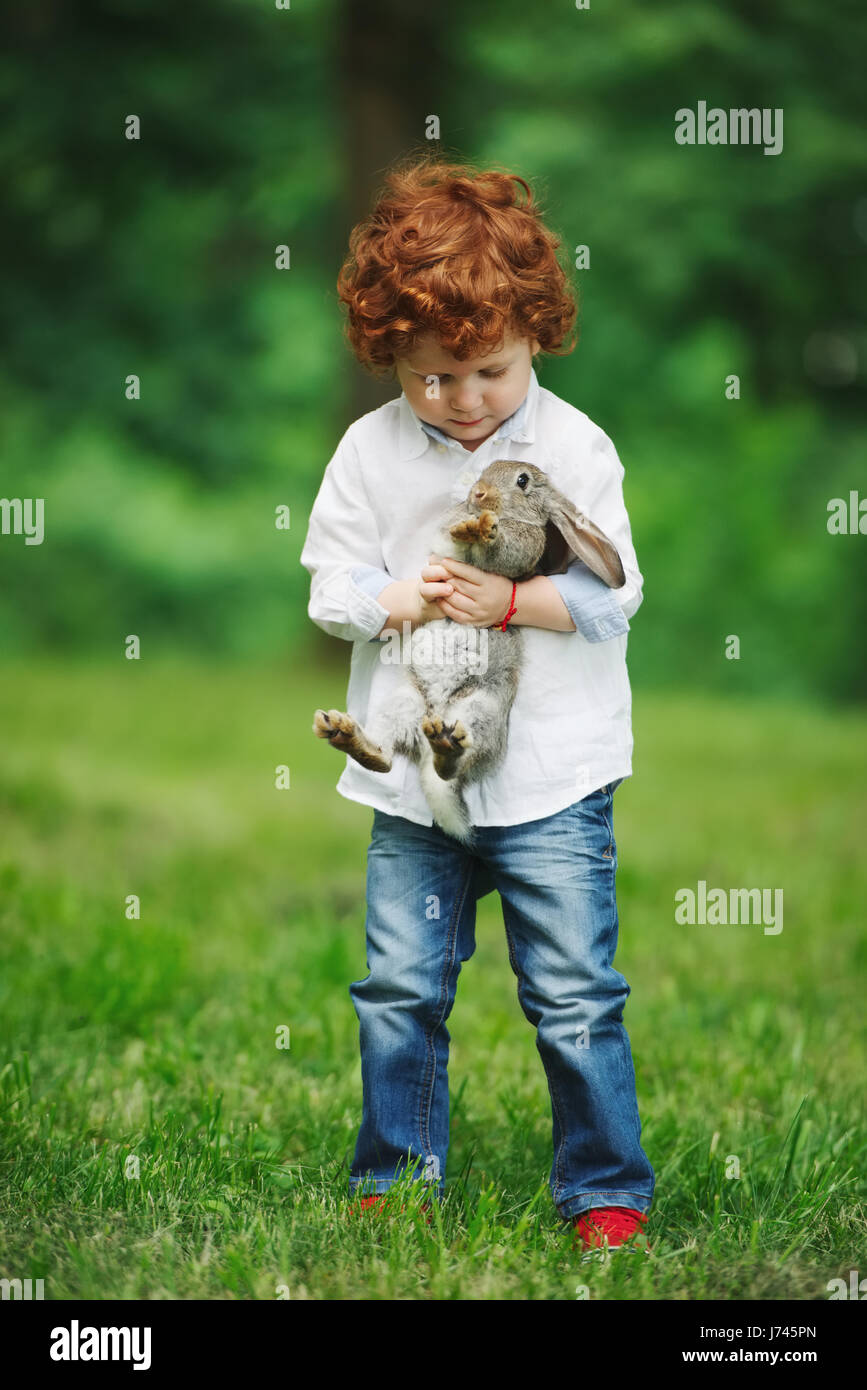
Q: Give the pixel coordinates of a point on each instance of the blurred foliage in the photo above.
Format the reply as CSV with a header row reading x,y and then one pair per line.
x,y
156,257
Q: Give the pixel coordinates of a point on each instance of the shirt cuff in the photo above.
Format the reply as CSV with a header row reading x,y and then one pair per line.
x,y
365,583
590,603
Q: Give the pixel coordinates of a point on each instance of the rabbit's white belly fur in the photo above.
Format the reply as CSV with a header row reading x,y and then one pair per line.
x,y
468,678
449,657
455,671
444,656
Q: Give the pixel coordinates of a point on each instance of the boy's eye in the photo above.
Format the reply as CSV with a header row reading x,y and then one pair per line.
x,y
444,376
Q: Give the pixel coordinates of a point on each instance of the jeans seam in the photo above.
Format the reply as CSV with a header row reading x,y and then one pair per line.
x,y
612,855
558,1157
607,820
513,958
429,1076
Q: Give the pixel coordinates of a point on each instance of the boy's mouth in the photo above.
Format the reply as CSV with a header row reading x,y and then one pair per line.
x,y
467,422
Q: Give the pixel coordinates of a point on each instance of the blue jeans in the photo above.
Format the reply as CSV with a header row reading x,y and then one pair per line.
x,y
555,877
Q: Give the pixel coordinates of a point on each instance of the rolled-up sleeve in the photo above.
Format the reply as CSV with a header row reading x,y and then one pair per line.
x,y
598,612
590,603
342,552
371,579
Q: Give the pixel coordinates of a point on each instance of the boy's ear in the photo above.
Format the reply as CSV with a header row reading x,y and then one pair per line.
x,y
569,535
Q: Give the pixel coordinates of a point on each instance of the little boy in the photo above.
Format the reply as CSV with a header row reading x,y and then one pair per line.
x,y
453,283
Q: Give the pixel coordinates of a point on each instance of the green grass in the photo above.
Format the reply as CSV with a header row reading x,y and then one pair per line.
x,y
153,1040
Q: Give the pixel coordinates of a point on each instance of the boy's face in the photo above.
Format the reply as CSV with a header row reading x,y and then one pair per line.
x,y
476,396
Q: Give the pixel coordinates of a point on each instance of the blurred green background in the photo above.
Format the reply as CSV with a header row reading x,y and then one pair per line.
x,y
263,127
153,1038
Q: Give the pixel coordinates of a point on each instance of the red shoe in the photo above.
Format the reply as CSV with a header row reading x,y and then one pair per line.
x,y
367,1202
376,1197
610,1227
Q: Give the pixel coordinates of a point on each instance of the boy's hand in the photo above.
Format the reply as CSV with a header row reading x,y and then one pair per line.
x,y
435,584
478,598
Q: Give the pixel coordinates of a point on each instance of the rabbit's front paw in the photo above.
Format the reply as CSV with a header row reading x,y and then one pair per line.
x,y
483,527
448,742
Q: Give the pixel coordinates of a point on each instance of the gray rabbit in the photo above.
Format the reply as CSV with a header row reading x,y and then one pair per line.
x,y
451,716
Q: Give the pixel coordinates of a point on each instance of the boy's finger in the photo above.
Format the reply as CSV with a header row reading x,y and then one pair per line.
x,y
458,615
460,603
467,587
468,572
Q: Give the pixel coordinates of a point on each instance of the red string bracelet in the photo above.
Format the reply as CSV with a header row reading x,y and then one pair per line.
x,y
512,609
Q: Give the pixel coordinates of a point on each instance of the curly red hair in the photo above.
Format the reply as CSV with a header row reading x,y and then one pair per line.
x,y
458,253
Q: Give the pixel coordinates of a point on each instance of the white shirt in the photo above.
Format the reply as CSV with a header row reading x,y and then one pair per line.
x,y
383,494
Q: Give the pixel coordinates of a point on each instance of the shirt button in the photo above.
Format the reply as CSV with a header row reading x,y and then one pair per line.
x,y
441,448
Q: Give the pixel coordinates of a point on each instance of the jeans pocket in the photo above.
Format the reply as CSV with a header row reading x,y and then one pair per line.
x,y
593,814
597,797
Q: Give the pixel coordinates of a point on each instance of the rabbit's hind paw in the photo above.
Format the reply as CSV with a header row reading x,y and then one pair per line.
x,y
483,527
448,743
338,728
342,732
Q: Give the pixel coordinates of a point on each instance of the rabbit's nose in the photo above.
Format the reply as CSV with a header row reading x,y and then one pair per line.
x,y
479,494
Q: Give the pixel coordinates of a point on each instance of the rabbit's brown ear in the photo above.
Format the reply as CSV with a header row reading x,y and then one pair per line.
x,y
556,557
569,530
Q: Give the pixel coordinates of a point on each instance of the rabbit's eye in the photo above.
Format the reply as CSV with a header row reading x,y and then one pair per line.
x,y
522,480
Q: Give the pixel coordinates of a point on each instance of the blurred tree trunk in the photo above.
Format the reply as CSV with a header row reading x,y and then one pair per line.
x,y
390,78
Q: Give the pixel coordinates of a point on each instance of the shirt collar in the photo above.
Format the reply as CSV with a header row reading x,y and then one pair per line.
x,y
520,426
